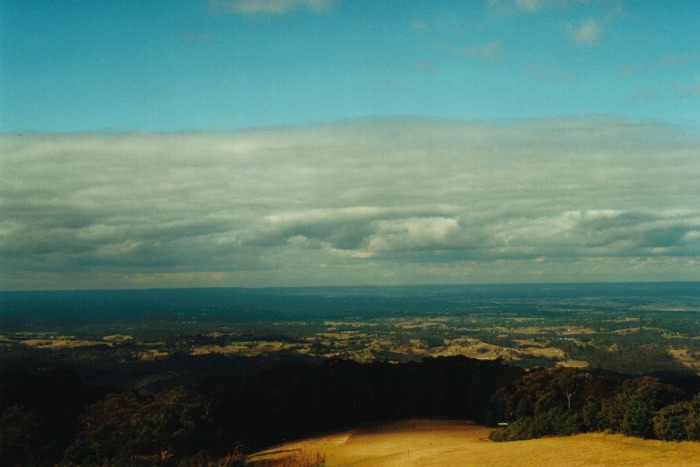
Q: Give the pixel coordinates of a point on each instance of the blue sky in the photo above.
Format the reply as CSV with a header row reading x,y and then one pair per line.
x,y
318,142
183,65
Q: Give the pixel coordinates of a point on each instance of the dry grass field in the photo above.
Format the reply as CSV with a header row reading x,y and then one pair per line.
x,y
455,443
61,343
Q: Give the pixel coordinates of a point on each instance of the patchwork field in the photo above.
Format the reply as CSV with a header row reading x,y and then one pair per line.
x,y
525,341
450,442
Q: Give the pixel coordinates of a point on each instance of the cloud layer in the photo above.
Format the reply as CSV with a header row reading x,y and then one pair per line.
x,y
395,201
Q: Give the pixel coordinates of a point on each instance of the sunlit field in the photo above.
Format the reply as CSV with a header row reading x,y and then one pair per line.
x,y
448,442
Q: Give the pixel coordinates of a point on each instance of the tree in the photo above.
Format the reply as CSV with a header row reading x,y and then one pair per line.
x,y
669,423
631,410
679,421
638,419
105,430
692,423
19,436
569,383
126,428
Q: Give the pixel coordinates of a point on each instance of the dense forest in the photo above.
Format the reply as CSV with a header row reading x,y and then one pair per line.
x,y
54,417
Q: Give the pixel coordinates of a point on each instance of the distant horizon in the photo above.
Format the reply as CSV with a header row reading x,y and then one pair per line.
x,y
373,286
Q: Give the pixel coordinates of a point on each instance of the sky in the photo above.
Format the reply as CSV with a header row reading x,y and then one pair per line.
x,y
347,142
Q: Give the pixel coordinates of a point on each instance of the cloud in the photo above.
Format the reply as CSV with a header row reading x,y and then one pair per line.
x,y
419,25
644,94
414,233
490,52
426,68
274,7
670,61
547,74
678,59
587,32
355,203
391,84
688,90
530,6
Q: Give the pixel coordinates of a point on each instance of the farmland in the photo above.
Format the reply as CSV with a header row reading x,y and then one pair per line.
x,y
635,329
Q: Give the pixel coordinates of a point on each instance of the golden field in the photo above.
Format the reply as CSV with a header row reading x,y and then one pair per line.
x,y
454,443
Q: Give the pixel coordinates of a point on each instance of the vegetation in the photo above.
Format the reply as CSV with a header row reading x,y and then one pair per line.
x,y
565,401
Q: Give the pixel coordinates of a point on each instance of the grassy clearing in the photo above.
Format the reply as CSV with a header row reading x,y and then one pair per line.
x,y
56,344
449,442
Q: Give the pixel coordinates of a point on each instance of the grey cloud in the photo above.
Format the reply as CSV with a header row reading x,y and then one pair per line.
x,y
361,202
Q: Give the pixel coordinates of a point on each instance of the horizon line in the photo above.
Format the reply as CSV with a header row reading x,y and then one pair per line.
x,y
359,286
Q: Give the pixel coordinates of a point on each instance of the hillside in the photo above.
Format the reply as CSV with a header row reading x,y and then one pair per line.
x,y
450,442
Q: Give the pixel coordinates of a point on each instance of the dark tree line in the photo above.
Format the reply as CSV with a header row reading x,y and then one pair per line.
x,y
564,401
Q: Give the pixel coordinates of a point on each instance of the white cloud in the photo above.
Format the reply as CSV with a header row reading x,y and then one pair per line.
x,y
275,7
587,32
410,200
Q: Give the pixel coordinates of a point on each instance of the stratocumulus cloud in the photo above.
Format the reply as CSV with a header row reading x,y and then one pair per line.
x,y
394,201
